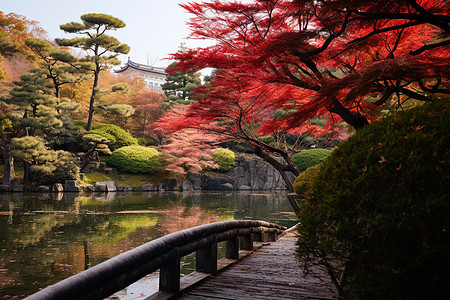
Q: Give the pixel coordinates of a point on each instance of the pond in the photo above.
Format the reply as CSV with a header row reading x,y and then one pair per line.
x,y
45,238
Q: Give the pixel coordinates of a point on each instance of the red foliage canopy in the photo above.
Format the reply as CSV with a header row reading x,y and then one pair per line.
x,y
282,63
310,58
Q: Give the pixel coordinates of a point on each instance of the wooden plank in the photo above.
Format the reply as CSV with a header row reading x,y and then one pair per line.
x,y
271,272
224,263
191,279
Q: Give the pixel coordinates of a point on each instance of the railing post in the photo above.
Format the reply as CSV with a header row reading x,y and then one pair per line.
x,y
246,241
258,235
206,259
169,274
273,236
232,248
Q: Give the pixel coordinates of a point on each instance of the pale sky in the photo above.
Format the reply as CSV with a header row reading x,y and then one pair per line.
x,y
154,28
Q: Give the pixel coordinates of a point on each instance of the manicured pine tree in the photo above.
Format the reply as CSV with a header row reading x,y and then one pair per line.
x,y
37,113
58,65
102,49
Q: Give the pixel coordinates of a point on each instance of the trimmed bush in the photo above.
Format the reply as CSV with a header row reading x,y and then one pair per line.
x,y
135,159
66,168
119,138
304,181
381,205
309,158
225,158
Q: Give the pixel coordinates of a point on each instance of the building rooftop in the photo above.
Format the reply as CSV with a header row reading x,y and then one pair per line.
x,y
142,67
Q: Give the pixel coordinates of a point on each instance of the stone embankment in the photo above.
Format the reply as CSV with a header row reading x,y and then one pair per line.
x,y
247,175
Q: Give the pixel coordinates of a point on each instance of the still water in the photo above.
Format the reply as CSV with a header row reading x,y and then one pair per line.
x,y
45,238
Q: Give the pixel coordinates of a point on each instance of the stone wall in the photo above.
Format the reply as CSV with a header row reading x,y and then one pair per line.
x,y
247,175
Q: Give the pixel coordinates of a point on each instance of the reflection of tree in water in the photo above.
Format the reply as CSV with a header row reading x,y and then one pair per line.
x,y
181,217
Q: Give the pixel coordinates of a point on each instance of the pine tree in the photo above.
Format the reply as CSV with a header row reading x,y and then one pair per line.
x,y
102,50
179,86
58,65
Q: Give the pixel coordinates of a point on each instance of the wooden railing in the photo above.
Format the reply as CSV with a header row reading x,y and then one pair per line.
x,y
163,253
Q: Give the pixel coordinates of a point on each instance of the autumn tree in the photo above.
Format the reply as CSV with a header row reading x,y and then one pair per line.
x,y
148,109
189,150
14,30
101,49
339,60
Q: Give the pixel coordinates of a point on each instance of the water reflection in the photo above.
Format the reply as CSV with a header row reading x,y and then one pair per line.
x,y
47,237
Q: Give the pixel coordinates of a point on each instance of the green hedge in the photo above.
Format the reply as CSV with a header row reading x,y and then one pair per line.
x,y
309,158
119,137
225,158
381,205
135,159
304,181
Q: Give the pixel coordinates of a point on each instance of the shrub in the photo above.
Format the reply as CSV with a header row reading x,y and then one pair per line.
x,y
135,159
304,181
380,205
225,158
119,138
309,158
66,168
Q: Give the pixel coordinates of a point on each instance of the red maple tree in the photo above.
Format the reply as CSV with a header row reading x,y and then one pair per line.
x,y
282,63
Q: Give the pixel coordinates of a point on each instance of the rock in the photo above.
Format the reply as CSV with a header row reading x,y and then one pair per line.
x,y
16,185
227,186
105,186
195,180
43,189
84,188
121,188
187,186
221,182
71,186
257,175
150,188
244,187
91,188
57,188
171,185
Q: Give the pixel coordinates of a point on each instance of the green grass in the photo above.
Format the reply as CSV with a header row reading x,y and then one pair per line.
x,y
130,180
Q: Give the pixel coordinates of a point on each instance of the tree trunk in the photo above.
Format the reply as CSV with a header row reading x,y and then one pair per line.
x,y
27,176
9,164
284,175
85,159
92,101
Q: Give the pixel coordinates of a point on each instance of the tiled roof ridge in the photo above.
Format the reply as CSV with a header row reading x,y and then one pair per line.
x,y
142,67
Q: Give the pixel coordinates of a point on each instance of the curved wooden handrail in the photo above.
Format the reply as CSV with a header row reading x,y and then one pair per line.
x,y
120,271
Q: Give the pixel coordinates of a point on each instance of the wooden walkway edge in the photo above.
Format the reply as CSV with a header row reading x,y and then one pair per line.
x,y
271,272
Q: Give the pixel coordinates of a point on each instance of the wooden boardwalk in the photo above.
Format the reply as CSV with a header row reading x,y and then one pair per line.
x,y
271,272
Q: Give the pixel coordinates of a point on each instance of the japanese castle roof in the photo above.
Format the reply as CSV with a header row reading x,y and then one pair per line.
x,y
141,67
